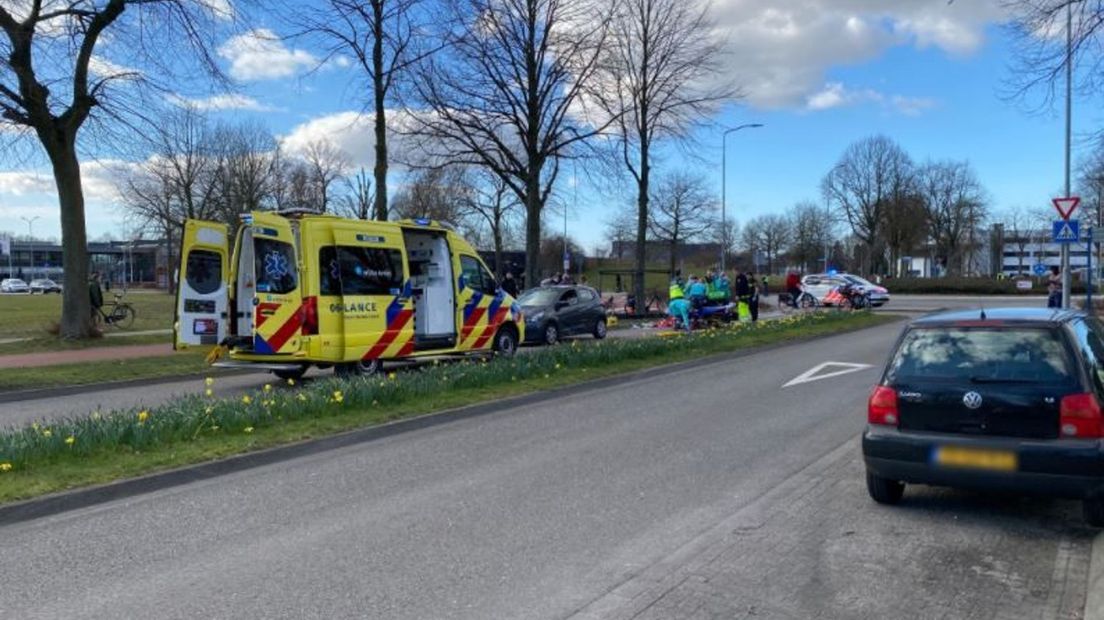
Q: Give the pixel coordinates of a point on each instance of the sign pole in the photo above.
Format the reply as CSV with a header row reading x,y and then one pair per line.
x,y
1069,113
1088,272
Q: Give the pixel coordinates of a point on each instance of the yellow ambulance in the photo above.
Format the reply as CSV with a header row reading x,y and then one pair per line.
x,y
302,290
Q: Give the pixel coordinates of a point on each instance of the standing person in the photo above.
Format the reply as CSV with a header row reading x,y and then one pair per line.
x,y
1054,288
95,294
509,284
793,287
742,292
753,297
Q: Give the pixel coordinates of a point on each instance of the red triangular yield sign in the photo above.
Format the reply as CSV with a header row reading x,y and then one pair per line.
x,y
1065,206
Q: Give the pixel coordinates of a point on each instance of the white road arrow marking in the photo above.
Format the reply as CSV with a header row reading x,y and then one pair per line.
x,y
816,373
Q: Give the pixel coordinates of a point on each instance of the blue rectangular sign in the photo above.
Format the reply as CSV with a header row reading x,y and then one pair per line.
x,y
1066,231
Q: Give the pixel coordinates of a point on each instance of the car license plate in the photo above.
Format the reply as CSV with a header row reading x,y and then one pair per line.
x,y
975,458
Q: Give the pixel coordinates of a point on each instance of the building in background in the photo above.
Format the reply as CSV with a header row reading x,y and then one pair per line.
x,y
142,262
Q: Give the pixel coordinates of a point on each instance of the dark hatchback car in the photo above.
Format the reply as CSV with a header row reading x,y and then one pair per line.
x,y
552,312
1005,400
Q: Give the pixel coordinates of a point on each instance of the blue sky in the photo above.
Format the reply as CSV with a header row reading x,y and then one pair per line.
x,y
819,74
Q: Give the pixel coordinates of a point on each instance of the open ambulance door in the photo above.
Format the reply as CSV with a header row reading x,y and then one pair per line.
x,y
202,295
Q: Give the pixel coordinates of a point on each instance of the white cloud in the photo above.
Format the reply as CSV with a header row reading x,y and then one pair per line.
x,y
261,55
836,95
231,101
353,133
104,68
781,50
98,179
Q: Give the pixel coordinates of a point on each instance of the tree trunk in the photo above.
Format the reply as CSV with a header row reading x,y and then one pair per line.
x,y
76,309
497,234
532,230
641,228
673,259
380,121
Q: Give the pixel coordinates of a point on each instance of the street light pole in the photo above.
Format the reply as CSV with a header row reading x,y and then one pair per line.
x,y
724,183
30,237
1066,280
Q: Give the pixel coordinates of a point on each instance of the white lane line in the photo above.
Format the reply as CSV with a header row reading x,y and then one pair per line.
x,y
818,372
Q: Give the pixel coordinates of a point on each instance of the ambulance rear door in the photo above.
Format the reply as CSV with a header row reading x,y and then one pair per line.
x,y
202,295
277,296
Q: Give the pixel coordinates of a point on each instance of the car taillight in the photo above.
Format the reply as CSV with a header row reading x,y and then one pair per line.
x,y
310,316
882,406
1080,417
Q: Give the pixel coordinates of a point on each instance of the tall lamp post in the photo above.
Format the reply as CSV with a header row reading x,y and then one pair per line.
x,y
30,237
724,183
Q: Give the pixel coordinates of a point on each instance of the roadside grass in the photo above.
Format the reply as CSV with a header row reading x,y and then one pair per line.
x,y
30,316
107,446
174,365
46,344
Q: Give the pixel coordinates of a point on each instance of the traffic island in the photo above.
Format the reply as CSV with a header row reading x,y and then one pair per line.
x,y
107,446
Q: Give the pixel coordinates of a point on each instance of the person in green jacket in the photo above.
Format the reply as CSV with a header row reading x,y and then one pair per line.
x,y
675,291
95,294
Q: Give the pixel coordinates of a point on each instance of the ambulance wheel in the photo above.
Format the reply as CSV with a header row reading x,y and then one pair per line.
x,y
600,329
506,342
551,333
293,374
363,368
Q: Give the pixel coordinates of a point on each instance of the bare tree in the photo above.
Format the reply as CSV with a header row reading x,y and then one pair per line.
x,y
955,205
871,174
812,234
769,234
493,206
905,228
682,209
327,164
440,194
358,200
52,82
620,229
658,82
247,155
504,97
386,38
1040,54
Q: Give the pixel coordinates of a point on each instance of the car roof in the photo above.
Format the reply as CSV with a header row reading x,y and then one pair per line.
x,y
1025,315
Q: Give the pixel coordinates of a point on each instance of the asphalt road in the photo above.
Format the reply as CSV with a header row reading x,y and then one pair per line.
x,y
711,492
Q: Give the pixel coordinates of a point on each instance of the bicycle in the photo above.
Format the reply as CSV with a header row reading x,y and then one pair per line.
x,y
805,301
118,314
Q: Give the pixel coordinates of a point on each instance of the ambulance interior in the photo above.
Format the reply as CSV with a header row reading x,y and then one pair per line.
x,y
431,278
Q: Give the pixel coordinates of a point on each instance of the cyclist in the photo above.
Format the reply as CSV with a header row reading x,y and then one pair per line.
x,y
793,287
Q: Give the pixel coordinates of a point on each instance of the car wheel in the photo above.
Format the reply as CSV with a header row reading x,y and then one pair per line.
x,y
506,342
600,328
363,368
292,374
1093,511
884,490
551,334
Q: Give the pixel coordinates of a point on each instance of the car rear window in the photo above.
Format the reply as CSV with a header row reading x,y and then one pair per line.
x,y
1020,355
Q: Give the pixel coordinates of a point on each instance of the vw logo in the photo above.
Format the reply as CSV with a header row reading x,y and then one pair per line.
x,y
972,400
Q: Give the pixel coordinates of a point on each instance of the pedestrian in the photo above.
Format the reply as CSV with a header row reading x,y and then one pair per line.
x,y
95,293
583,280
766,286
753,297
509,284
679,309
1054,288
697,292
742,294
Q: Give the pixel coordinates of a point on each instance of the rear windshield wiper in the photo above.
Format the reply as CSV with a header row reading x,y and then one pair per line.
x,y
998,380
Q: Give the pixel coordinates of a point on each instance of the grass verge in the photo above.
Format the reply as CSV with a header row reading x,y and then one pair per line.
x,y
174,365
44,344
31,315
108,446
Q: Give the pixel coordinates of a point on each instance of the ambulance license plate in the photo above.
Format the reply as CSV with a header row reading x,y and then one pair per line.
x,y
975,458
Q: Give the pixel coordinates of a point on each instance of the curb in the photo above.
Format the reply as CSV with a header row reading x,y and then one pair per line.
x,y
84,388
1094,594
66,501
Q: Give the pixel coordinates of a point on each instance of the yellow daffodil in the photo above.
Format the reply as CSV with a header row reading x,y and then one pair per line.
x,y
5,467
338,397
557,366
390,376
302,397
95,415
209,381
47,433
209,410
143,416
246,399
248,429
70,440
375,403
267,403
290,381
267,387
209,392
214,429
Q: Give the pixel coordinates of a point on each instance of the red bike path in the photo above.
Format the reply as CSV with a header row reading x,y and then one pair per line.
x,y
76,356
